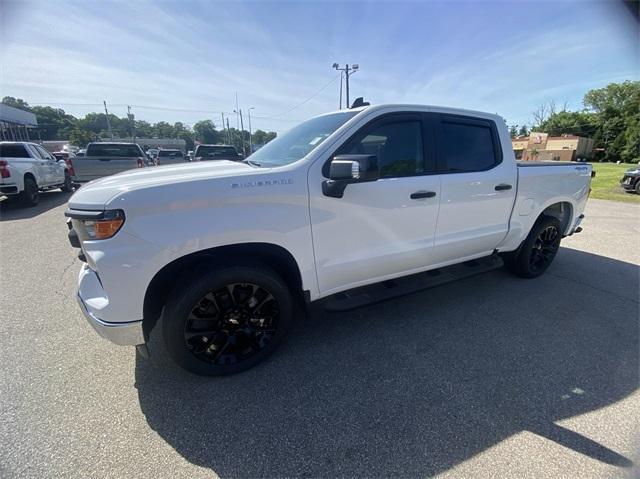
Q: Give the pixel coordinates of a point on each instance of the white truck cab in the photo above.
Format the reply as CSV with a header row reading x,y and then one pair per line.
x,y
203,263
27,168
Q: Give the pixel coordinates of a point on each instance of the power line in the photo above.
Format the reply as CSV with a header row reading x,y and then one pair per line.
x,y
305,101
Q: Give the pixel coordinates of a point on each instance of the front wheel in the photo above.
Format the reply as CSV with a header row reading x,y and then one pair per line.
x,y
226,320
539,249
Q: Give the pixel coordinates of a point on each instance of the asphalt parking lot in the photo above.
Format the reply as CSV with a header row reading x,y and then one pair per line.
x,y
492,376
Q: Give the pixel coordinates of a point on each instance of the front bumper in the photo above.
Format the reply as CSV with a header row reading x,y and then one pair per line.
x,y
92,298
628,182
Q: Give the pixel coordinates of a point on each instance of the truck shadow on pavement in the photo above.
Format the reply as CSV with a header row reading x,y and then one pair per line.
x,y
12,209
419,384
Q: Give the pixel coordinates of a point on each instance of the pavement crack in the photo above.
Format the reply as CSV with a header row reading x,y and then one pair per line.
x,y
602,290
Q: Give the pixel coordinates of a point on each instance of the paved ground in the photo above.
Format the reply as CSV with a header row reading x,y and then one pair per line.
x,y
492,376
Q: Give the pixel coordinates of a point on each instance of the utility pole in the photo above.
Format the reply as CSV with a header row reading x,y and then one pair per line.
x,y
228,132
250,133
133,124
347,71
340,103
244,150
106,112
222,114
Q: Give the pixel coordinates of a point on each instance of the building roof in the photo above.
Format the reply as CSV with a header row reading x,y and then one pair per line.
x,y
19,117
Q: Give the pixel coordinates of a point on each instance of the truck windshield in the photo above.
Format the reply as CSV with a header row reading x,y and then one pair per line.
x,y
300,140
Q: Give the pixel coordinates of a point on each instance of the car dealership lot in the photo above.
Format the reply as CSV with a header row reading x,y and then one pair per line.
x,y
492,376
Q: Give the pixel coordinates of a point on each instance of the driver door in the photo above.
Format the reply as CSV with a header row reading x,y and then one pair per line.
x,y
384,228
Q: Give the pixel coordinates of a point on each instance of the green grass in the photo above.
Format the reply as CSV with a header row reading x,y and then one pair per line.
x,y
606,184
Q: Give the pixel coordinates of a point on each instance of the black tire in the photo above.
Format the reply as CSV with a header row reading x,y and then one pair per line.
x,y
537,251
209,325
637,188
30,196
67,186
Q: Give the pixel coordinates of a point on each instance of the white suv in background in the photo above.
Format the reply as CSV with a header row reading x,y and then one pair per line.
x,y
27,168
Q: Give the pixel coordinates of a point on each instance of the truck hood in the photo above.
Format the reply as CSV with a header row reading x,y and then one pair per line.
x,y
97,193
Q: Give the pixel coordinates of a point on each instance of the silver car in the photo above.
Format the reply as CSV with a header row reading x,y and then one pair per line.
x,y
170,157
104,159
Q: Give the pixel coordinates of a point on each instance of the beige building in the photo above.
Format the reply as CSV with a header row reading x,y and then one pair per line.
x,y
542,147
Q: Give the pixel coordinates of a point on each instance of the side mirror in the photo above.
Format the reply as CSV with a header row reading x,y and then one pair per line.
x,y
346,169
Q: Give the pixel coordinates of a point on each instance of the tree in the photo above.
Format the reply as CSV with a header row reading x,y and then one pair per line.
x,y
570,123
617,108
513,131
80,138
523,131
205,132
18,103
262,137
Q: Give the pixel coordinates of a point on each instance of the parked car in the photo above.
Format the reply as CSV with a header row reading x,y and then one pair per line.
x,y
63,155
631,180
170,157
205,264
190,155
152,153
27,168
81,152
105,159
217,152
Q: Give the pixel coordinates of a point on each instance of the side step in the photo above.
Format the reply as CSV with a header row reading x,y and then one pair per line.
x,y
378,292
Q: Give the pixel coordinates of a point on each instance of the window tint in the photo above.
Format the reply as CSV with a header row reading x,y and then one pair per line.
x,y
397,146
216,151
12,150
107,149
467,147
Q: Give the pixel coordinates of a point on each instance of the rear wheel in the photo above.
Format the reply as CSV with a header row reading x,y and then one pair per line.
x,y
539,249
637,187
30,196
225,321
67,186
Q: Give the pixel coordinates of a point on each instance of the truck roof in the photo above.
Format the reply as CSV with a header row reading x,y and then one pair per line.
x,y
418,107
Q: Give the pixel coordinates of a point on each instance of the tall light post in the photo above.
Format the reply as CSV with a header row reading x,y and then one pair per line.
x,y
250,133
347,71
244,150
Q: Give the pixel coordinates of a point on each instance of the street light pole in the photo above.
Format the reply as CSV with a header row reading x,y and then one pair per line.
x,y
348,70
250,133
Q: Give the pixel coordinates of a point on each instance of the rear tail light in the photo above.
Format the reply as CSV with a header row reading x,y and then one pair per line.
x,y
140,162
70,167
4,169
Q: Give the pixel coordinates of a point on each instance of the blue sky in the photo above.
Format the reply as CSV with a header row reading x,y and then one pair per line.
x,y
184,61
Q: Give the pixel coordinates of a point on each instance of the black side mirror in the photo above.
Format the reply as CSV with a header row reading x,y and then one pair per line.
x,y
346,169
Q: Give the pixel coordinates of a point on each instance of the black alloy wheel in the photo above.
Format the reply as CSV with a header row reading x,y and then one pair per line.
x,y
544,248
231,324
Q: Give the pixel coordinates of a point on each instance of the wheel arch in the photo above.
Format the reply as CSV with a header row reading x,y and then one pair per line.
x,y
563,211
271,255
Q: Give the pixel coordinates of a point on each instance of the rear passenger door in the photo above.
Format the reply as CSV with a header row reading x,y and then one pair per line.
x,y
478,188
40,165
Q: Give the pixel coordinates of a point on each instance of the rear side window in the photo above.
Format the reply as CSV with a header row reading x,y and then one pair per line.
x,y
9,150
214,151
468,146
107,149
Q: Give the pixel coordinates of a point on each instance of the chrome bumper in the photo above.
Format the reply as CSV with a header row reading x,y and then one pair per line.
x,y
123,334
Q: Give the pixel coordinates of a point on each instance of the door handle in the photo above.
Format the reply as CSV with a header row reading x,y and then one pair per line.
x,y
503,187
422,194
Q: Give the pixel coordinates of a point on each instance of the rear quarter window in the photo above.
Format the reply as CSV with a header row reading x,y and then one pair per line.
x,y
13,151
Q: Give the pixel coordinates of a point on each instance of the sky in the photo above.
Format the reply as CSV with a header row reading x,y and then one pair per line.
x,y
185,61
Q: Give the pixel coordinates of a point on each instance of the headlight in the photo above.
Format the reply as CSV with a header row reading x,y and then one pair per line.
x,y
104,227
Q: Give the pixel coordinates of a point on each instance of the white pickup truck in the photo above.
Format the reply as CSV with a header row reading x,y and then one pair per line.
x,y
27,168
205,263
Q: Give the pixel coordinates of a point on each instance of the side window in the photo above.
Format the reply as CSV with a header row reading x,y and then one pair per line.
x,y
397,145
35,153
44,153
468,146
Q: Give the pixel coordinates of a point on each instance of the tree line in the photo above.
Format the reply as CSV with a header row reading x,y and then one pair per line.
x,y
611,117
56,124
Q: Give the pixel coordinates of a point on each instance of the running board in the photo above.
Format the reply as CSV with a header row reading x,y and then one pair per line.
x,y
375,293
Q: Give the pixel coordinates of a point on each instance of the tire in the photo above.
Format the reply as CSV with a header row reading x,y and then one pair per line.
x,y
212,325
537,251
637,188
67,186
30,196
